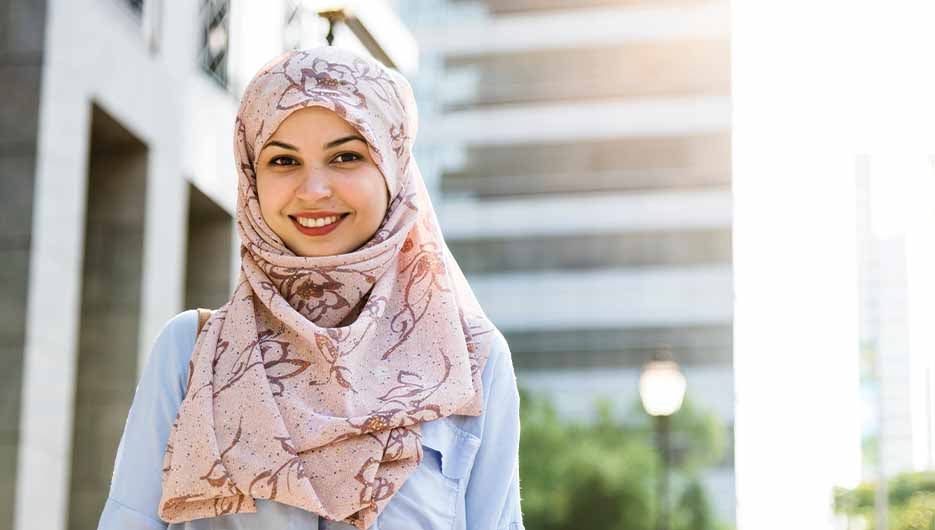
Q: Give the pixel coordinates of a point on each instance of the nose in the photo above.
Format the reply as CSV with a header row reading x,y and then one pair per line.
x,y
315,185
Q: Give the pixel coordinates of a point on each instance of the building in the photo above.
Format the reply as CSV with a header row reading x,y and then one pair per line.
x,y
580,156
896,292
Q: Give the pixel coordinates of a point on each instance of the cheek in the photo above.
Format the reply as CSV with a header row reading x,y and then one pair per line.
x,y
380,197
272,196
372,195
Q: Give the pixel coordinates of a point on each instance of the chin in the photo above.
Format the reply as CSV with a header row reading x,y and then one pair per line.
x,y
319,252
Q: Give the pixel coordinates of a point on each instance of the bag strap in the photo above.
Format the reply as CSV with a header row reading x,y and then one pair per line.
x,y
203,315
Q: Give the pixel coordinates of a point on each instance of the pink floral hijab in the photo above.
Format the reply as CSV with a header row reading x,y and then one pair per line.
x,y
290,396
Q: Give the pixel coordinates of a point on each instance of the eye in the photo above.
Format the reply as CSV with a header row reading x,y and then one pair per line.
x,y
273,161
347,157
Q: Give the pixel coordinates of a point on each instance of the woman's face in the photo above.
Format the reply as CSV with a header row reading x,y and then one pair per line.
x,y
316,169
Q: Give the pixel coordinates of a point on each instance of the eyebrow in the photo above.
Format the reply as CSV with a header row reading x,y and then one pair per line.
x,y
329,145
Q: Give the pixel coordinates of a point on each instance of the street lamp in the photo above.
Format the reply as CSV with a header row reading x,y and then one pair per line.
x,y
333,16
374,25
662,389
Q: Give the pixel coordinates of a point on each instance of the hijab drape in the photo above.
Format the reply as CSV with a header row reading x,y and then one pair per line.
x,y
308,387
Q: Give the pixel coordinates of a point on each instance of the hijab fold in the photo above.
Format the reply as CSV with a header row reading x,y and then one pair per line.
x,y
309,385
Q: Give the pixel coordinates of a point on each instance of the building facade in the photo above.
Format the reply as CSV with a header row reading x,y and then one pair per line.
x,y
580,158
896,340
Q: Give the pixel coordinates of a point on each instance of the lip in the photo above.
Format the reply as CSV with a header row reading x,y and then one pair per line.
x,y
317,214
318,230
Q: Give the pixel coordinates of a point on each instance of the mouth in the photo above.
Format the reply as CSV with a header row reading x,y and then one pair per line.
x,y
318,227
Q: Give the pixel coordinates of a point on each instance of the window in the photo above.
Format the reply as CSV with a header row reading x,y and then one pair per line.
x,y
215,39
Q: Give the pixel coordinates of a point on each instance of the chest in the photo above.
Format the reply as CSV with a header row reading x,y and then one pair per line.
x,y
432,498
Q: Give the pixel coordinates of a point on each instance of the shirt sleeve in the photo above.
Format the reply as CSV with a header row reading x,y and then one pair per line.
x,y
136,484
492,497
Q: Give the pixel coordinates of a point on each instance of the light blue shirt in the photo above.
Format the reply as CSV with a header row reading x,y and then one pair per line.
x,y
468,479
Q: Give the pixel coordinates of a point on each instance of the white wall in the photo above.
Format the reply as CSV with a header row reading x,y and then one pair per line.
x,y
591,213
95,52
652,296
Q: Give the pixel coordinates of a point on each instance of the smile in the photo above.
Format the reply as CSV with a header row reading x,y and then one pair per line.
x,y
319,226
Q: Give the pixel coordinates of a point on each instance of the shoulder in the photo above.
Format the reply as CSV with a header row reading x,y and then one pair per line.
x,y
498,370
499,386
171,351
179,331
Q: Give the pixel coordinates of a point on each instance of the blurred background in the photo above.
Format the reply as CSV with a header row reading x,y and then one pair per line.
x,y
579,154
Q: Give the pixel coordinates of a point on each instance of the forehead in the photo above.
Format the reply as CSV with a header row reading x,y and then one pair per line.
x,y
312,122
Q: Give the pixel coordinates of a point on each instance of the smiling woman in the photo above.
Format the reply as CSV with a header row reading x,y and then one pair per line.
x,y
319,187
352,380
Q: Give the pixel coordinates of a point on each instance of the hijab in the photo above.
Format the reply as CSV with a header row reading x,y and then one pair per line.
x,y
309,385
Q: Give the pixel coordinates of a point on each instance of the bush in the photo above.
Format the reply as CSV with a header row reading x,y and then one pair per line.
x,y
911,501
603,474
918,513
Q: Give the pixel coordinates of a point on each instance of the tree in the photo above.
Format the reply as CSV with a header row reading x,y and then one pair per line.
x,y
911,501
694,509
602,474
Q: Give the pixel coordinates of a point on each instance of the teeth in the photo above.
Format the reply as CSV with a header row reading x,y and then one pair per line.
x,y
314,223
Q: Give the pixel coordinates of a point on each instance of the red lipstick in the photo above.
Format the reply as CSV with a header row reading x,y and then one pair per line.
x,y
317,230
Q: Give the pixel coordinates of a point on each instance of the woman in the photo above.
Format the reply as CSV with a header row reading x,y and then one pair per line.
x,y
352,379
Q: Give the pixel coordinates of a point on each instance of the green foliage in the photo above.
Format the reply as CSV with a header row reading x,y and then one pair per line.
x,y
698,439
917,514
857,501
608,486
911,501
905,486
603,474
542,442
695,511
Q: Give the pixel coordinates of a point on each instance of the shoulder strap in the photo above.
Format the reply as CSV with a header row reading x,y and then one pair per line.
x,y
203,315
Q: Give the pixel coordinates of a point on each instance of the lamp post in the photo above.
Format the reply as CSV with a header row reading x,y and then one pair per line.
x,y
662,389
333,16
375,26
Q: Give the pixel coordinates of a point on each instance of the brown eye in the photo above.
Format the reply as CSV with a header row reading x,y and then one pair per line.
x,y
351,157
273,162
